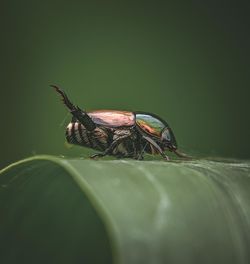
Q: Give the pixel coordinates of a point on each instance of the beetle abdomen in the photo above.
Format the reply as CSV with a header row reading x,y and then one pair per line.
x,y
77,134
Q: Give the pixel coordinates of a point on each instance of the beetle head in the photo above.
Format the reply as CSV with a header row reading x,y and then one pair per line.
x,y
168,139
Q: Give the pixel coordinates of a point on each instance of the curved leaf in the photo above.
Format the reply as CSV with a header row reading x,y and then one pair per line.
x,y
56,210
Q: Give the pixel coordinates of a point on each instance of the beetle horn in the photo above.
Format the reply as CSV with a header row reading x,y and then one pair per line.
x,y
180,154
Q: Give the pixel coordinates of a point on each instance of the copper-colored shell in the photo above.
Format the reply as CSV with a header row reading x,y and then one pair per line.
x,y
113,118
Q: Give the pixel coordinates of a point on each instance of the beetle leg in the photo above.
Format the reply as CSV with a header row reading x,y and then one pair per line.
x,y
112,146
139,157
77,112
140,153
152,142
97,155
182,155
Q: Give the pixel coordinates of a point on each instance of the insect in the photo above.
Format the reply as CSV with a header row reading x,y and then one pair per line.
x,y
119,133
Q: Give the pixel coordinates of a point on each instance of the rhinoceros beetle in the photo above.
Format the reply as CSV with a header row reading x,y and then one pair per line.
x,y
122,134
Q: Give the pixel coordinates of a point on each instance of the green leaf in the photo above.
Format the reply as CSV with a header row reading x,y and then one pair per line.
x,y
56,210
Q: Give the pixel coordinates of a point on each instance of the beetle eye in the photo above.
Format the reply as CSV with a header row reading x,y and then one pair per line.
x,y
166,135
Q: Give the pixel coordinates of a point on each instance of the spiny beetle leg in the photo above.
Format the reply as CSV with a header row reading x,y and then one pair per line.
x,y
139,155
77,112
100,155
110,149
154,144
83,118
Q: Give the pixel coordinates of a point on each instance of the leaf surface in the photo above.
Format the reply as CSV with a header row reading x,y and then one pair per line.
x,y
57,210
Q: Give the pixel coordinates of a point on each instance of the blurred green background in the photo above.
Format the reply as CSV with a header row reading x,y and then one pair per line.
x,y
188,63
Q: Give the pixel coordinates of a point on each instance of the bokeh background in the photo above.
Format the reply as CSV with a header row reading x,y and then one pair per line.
x,y
187,62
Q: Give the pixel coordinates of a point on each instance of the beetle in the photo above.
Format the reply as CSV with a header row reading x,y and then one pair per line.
x,y
122,134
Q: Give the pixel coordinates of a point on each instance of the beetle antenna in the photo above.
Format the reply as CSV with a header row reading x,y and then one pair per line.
x,y
65,98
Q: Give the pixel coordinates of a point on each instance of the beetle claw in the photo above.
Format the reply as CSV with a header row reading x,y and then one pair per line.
x,y
181,155
166,158
139,157
97,155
